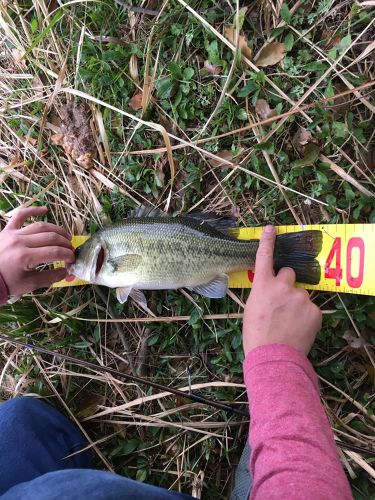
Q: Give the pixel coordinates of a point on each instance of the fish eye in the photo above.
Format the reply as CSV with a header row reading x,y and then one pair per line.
x,y
77,252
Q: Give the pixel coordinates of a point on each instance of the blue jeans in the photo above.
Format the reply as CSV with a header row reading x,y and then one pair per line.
x,y
35,441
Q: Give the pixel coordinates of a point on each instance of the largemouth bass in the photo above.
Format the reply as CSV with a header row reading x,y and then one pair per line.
x,y
153,251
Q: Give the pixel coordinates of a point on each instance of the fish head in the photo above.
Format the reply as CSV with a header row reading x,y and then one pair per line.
x,y
89,259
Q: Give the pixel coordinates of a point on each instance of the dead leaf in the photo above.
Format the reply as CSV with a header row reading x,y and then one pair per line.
x,y
225,154
366,162
18,58
52,5
160,169
75,136
330,40
242,42
211,68
263,109
353,340
57,139
38,87
310,155
136,101
342,104
270,55
301,138
371,373
88,404
133,68
235,211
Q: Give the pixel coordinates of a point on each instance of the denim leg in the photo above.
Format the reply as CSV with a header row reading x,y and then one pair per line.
x,y
84,484
242,479
35,439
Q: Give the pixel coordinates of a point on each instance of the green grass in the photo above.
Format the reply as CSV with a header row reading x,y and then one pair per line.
x,y
98,45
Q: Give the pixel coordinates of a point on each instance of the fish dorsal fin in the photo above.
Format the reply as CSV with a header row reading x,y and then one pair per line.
x,y
225,225
126,263
214,289
147,211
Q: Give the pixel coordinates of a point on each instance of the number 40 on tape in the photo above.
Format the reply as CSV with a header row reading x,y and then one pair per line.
x,y
347,258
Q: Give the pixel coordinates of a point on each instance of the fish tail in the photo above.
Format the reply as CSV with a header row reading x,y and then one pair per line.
x,y
299,251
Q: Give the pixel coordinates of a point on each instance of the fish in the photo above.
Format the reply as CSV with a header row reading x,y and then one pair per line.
x,y
151,250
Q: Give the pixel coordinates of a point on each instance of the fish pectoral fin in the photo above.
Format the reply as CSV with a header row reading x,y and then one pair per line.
x,y
214,289
126,263
122,293
139,297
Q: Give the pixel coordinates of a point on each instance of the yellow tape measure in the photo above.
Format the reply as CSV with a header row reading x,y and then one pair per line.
x,y
346,260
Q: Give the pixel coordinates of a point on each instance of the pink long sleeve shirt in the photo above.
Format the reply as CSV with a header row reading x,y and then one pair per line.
x,y
293,452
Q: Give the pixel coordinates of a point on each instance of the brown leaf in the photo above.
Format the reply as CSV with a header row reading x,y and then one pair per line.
x,y
133,68
366,162
76,137
52,5
263,109
136,101
341,104
371,373
225,154
270,55
242,42
88,404
57,139
330,40
38,87
211,68
18,58
301,138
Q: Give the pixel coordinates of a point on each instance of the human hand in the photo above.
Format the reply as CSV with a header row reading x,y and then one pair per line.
x,y
24,248
277,312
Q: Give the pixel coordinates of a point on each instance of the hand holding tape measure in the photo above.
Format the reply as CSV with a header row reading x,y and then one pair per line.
x,y
346,260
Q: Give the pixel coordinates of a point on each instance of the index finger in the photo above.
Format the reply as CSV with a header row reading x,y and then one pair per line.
x,y
19,218
264,258
45,227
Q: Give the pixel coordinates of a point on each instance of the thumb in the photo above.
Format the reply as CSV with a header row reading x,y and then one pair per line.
x,y
264,258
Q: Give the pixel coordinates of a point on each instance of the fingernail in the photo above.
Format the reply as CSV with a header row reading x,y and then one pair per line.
x,y
269,229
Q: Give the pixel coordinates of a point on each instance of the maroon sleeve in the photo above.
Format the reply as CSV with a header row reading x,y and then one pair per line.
x,y
4,294
293,452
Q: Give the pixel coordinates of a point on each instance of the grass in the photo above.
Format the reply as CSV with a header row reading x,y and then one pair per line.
x,y
179,149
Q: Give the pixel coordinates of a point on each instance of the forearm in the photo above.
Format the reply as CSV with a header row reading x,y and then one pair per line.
x,y
293,453
3,291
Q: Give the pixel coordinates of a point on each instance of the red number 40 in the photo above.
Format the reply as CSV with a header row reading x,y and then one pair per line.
x,y
335,254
